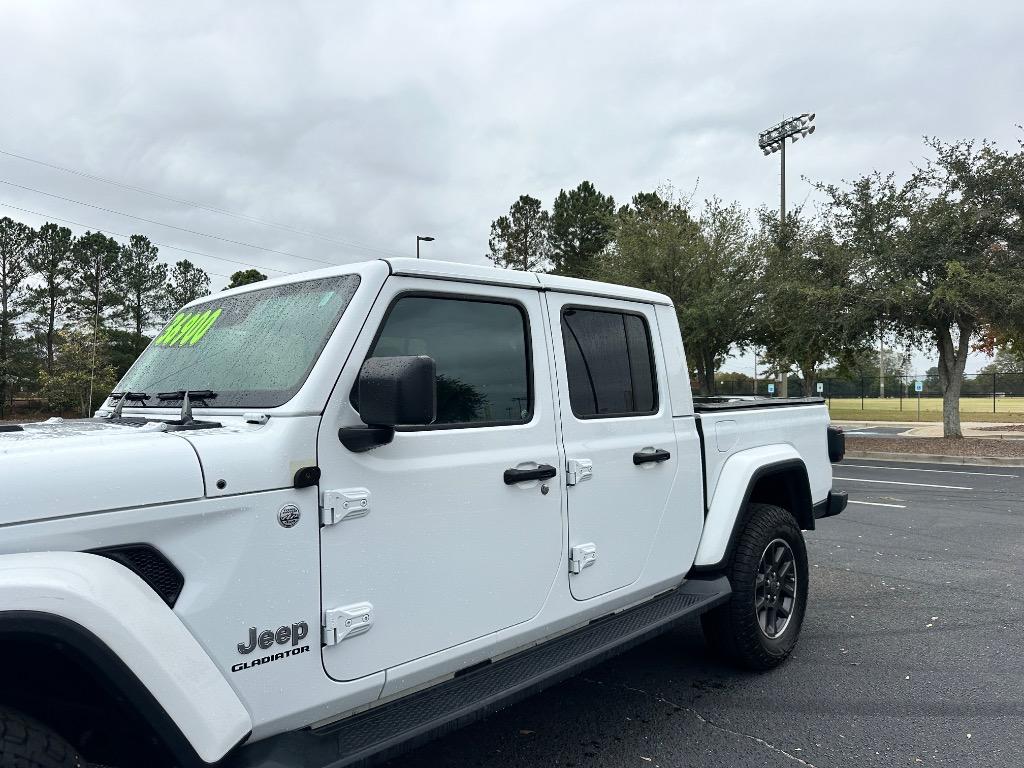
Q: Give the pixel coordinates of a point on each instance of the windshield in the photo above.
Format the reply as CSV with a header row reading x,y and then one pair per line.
x,y
251,350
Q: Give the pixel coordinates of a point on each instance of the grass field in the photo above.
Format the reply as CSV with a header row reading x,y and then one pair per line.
x,y
1008,409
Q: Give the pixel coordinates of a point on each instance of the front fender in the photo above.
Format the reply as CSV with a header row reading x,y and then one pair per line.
x,y
111,603
737,478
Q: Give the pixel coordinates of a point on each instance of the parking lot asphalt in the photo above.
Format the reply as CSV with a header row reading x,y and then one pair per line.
x,y
911,653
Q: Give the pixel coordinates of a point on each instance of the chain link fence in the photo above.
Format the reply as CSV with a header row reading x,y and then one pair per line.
x,y
980,392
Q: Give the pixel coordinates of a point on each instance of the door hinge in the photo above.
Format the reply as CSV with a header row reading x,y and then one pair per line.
x,y
345,504
345,622
578,470
582,556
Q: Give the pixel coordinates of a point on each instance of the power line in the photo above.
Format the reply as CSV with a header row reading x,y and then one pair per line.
x,y
164,224
161,245
201,206
123,235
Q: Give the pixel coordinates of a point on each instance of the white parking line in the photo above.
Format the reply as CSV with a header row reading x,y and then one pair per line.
x,y
944,471
897,482
878,504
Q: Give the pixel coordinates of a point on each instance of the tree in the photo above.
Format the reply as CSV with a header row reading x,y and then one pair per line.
x,y
139,283
582,225
521,240
186,283
702,264
1005,346
81,375
94,259
1007,360
863,363
944,251
50,260
15,241
244,277
121,349
811,305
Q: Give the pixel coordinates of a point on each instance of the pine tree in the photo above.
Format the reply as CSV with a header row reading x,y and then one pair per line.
x,y
521,240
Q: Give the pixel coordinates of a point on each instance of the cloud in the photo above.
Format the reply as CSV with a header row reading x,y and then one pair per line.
x,y
375,122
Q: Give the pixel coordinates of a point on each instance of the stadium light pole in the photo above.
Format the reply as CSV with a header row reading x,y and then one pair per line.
x,y
424,239
771,141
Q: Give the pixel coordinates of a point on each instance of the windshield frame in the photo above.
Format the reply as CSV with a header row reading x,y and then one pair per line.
x,y
240,399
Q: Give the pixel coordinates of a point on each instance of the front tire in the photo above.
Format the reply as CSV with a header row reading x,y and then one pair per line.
x,y
27,743
758,627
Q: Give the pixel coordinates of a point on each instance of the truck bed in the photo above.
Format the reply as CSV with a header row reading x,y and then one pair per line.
x,y
725,403
729,427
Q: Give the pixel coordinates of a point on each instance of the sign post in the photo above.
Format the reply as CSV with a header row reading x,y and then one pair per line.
x,y
771,390
918,387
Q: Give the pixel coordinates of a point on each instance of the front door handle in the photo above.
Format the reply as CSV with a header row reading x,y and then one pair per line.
x,y
541,472
643,458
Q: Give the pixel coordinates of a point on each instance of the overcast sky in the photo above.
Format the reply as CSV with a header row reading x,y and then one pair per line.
x,y
369,123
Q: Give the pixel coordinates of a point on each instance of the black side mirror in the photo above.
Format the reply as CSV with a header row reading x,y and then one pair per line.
x,y
393,391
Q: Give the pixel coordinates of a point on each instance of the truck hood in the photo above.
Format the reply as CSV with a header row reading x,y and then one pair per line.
x,y
61,468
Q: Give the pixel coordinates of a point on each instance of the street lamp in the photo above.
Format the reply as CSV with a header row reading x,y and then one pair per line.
x,y
771,141
425,239
774,140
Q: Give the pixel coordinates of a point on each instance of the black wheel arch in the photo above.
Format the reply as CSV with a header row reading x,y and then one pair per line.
x,y
784,484
54,659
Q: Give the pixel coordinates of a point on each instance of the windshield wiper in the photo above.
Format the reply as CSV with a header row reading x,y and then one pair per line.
x,y
185,420
193,394
126,397
131,397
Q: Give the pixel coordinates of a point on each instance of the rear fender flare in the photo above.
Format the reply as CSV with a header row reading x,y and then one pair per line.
x,y
736,483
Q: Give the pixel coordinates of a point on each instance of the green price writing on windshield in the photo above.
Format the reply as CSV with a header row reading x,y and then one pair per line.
x,y
187,329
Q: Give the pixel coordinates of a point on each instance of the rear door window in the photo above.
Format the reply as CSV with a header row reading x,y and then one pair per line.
x,y
609,363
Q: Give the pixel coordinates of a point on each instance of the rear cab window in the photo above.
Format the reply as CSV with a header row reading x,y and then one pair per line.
x,y
609,363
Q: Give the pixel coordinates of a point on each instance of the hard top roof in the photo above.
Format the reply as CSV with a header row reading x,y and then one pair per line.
x,y
450,270
471,273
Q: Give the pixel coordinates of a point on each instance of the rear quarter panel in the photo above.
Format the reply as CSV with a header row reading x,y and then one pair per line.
x,y
802,427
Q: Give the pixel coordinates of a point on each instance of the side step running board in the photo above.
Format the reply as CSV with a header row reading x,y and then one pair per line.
x,y
394,727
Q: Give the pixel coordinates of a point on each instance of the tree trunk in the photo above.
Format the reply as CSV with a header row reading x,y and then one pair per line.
x,y
138,324
3,361
706,372
51,322
810,378
952,362
709,372
3,353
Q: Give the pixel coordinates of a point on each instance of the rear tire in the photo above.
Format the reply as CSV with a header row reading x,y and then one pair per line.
x,y
759,625
27,743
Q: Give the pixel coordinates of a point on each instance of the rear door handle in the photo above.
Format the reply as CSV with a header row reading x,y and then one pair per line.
x,y
644,458
542,472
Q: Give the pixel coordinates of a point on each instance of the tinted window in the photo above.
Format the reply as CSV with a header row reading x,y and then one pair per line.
x,y
609,364
480,349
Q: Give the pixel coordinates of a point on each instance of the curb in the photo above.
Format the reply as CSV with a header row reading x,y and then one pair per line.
x,y
931,458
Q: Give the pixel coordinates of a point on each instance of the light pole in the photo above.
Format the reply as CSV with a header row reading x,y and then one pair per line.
x,y
774,140
425,239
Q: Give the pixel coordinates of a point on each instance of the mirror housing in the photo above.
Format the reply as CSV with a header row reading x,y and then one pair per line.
x,y
392,391
398,390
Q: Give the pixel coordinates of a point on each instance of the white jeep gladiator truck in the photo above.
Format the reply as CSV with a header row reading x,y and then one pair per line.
x,y
326,516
